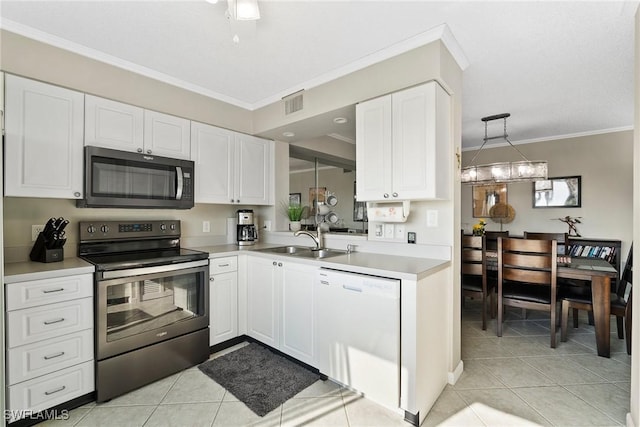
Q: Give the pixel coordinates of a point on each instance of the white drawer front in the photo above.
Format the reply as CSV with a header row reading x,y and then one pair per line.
x,y
43,357
47,291
43,322
223,265
52,389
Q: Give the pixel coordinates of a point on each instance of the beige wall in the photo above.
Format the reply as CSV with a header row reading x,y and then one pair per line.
x,y
39,61
20,213
605,163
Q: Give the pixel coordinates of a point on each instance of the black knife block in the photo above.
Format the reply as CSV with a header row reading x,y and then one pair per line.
x,y
40,253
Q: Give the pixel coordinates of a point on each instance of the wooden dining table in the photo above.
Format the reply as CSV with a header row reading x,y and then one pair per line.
x,y
599,273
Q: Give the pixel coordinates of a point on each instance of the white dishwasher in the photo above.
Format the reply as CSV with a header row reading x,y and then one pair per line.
x,y
358,333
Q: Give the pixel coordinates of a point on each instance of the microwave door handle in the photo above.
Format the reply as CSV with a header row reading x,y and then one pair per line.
x,y
180,183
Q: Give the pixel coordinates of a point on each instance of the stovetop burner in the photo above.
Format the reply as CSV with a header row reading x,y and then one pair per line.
x,y
117,245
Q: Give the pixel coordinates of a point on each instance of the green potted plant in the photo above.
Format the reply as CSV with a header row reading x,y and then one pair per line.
x,y
295,213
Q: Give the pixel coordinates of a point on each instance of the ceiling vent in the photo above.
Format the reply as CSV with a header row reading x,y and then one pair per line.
x,y
293,102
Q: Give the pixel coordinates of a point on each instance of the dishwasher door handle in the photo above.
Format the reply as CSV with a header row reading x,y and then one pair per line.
x,y
351,288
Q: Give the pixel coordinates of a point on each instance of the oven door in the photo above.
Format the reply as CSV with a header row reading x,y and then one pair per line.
x,y
150,305
121,179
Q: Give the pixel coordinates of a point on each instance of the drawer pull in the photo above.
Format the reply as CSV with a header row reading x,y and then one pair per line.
x,y
51,322
49,291
53,356
223,265
48,393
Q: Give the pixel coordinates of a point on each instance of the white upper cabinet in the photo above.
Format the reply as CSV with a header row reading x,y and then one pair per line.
x,y
253,170
44,140
112,124
230,167
402,147
119,126
167,136
213,151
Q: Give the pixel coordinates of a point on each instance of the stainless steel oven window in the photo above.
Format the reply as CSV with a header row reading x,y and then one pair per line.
x,y
143,309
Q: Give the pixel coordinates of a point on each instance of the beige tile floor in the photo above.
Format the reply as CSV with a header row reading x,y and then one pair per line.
x,y
514,380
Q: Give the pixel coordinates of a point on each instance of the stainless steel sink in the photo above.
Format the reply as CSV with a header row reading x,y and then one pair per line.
x,y
303,251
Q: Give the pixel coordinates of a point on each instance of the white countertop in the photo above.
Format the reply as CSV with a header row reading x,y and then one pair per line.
x,y
401,267
29,270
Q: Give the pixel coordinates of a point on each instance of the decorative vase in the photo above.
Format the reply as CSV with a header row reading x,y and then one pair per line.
x,y
295,225
478,232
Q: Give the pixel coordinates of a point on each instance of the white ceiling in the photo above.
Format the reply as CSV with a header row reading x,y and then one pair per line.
x,y
559,68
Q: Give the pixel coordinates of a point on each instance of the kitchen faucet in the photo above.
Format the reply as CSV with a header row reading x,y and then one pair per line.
x,y
317,238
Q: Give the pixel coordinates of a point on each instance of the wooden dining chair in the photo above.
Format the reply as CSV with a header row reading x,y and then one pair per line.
x,y
620,307
474,274
527,273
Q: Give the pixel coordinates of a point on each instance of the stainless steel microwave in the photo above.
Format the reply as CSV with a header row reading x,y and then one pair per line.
x,y
121,179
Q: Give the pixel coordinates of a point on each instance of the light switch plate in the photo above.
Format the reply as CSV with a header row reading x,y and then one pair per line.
x,y
432,218
206,227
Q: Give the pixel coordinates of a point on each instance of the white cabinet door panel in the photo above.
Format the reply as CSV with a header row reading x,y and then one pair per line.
x,y
253,170
373,149
223,307
213,151
166,135
263,301
48,321
44,140
42,357
46,291
297,338
112,124
52,389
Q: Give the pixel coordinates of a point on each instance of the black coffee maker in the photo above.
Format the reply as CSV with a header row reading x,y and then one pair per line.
x,y
246,233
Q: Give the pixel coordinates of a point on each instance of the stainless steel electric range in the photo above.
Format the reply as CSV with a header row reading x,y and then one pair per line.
x,y
151,302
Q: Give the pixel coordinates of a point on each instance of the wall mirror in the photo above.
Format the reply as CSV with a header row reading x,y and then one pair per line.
x,y
561,192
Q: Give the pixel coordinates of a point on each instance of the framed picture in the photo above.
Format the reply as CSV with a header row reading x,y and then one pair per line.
x,y
295,199
486,196
317,194
561,192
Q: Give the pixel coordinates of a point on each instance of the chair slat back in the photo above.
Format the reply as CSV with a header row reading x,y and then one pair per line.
x,y
627,275
528,260
473,255
561,238
492,238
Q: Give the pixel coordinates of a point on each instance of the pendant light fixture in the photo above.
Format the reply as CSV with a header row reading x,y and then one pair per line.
x,y
526,170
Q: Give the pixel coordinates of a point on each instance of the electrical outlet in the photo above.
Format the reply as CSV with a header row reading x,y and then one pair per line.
x,y
206,227
35,230
432,218
267,225
389,231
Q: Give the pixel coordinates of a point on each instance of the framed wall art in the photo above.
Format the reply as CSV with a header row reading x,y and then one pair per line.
x,y
486,196
561,192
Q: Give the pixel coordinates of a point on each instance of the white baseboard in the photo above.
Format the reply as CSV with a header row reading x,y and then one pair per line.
x,y
630,420
452,377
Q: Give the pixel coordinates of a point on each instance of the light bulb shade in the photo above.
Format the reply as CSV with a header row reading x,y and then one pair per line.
x,y
504,172
244,10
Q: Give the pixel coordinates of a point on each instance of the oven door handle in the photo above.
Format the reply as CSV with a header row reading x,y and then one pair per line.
x,y
180,184
116,274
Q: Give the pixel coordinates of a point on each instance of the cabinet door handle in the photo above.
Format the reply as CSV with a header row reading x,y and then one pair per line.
x,y
77,194
395,194
53,356
148,151
49,291
279,264
139,150
386,195
51,322
48,393
223,265
211,279
275,263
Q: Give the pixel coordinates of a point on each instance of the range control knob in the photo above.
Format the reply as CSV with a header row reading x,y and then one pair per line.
x,y
163,227
91,229
172,226
104,229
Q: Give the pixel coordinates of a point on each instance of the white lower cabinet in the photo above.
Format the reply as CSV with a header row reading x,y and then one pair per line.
x,y
223,299
280,305
49,342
